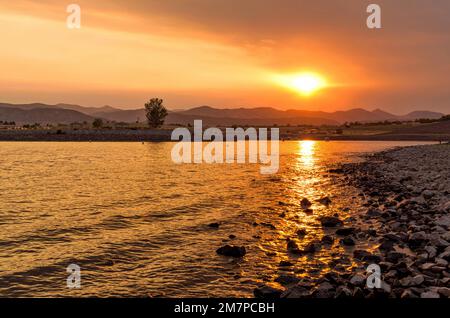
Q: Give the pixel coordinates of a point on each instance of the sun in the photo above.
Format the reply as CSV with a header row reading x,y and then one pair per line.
x,y
306,83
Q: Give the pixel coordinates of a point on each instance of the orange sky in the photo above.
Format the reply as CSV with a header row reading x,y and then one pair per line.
x,y
225,53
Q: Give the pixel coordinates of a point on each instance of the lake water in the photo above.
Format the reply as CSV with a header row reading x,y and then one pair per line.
x,y
137,224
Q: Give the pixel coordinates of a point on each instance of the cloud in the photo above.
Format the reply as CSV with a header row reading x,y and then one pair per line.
x,y
196,47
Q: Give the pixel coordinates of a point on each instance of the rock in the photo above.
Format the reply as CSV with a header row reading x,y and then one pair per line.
x,y
358,293
305,204
324,290
345,231
366,256
429,294
296,292
386,245
386,288
412,281
292,245
394,257
233,251
343,292
286,264
427,194
444,221
214,225
325,201
373,212
445,255
402,269
408,294
446,236
334,278
427,266
436,240
392,237
287,280
444,291
358,280
348,241
301,232
328,239
330,221
444,207
441,262
311,247
231,236
267,292
431,250
417,239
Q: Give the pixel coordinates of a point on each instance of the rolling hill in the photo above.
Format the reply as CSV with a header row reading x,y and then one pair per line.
x,y
68,113
42,115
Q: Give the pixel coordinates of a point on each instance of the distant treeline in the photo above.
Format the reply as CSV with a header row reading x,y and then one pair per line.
x,y
6,123
398,122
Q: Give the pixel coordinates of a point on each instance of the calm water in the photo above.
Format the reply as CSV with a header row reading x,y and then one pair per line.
x,y
137,224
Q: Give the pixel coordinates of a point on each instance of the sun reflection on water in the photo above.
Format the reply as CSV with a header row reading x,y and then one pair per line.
x,y
307,150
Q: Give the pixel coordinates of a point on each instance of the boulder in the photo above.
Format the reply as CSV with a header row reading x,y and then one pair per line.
x,y
412,281
296,292
305,204
267,292
358,280
348,241
429,294
330,221
324,201
233,251
444,221
444,291
327,239
407,293
366,256
345,231
343,292
285,264
287,279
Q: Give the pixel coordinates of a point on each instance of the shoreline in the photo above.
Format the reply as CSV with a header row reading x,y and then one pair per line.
x,y
164,135
407,211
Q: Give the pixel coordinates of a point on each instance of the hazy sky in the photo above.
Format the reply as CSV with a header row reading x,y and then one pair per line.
x,y
224,53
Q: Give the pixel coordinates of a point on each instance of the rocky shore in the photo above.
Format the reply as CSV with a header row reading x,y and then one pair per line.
x,y
406,198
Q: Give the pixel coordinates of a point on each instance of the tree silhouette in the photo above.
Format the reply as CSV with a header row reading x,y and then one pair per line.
x,y
155,112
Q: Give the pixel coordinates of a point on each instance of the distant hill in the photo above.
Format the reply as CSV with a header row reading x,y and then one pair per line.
x,y
421,115
307,117
42,115
78,108
67,113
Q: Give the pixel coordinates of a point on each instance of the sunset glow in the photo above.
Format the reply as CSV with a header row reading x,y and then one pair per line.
x,y
304,83
208,55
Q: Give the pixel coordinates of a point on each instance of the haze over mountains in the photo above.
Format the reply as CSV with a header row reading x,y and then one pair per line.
x,y
68,113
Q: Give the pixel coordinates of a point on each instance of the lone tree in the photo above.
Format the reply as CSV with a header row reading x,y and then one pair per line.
x,y
155,112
